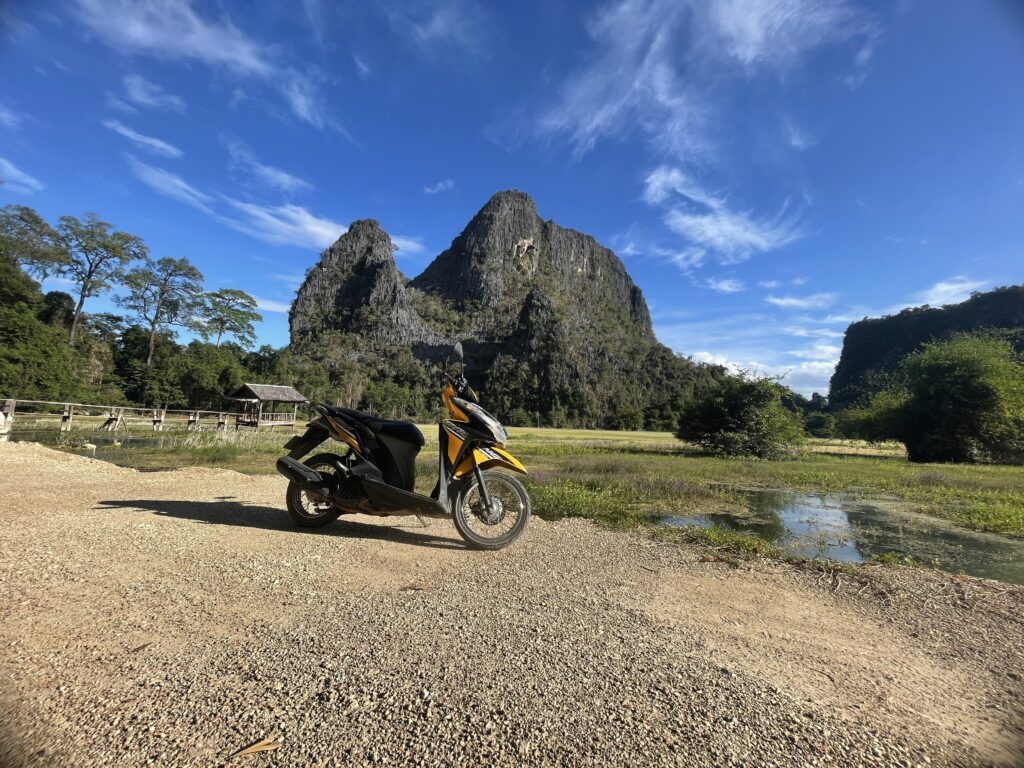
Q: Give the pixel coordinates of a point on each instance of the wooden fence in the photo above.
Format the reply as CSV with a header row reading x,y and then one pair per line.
x,y
114,418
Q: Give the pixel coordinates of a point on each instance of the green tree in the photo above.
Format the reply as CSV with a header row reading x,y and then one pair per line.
x,y
230,312
820,424
954,401
163,293
57,309
96,257
742,415
29,242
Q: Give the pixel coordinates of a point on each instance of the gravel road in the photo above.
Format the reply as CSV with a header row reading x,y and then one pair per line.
x,y
173,618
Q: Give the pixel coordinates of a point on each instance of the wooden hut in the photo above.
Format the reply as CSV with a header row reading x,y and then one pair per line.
x,y
260,405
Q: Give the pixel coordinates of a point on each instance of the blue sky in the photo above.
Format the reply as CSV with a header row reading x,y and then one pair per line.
x,y
768,170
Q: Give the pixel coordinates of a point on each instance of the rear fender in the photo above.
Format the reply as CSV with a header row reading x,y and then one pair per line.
x,y
299,445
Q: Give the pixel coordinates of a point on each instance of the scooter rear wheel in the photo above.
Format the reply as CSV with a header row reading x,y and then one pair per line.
x,y
504,522
306,510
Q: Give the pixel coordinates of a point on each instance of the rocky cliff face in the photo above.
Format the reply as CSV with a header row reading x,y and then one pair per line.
x,y
549,317
873,348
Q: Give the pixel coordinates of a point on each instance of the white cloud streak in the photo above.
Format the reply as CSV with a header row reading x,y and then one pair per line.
x,y
244,160
149,143
814,301
704,219
9,118
445,185
284,224
143,93
170,185
950,291
408,246
172,30
16,180
726,285
270,305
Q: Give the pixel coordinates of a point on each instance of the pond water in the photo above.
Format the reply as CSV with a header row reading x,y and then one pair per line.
x,y
855,530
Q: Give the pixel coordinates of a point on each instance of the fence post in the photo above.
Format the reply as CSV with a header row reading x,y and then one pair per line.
x,y
7,420
158,419
65,418
193,421
222,421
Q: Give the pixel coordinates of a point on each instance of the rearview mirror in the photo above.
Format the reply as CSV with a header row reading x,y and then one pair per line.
x,y
457,351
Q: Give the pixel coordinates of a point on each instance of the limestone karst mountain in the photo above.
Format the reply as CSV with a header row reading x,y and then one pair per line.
x,y
551,321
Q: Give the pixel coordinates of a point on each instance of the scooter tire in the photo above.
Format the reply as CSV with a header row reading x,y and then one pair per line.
x,y
460,513
293,497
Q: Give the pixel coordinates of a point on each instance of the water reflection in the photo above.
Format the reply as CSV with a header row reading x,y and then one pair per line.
x,y
852,531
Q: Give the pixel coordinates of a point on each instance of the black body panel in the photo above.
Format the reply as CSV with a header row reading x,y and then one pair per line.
x,y
392,446
299,445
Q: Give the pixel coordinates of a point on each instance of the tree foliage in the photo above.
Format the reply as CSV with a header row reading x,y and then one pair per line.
x,y
163,293
742,415
96,258
27,241
954,401
230,312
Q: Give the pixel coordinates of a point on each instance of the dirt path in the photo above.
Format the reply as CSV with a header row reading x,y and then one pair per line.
x,y
173,618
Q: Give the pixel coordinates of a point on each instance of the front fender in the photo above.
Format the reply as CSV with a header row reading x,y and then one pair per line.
x,y
487,457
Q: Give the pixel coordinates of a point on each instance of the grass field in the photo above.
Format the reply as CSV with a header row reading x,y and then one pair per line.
x,y
625,479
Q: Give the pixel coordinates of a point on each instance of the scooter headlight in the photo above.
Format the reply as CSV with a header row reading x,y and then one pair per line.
x,y
486,421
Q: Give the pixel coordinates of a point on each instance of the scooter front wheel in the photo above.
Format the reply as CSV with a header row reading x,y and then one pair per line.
x,y
499,523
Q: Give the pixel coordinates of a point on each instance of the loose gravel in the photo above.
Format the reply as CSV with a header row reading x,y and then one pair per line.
x,y
174,618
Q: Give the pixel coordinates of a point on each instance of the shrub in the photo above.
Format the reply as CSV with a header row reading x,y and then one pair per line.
x,y
742,416
956,401
820,424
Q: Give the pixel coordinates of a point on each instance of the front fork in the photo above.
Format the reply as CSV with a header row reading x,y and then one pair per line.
x,y
483,488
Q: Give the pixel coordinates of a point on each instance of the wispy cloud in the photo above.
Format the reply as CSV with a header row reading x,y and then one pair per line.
x,y
777,34
149,143
243,160
408,246
270,305
10,118
756,341
950,291
445,185
16,180
439,25
143,93
170,185
634,81
173,30
703,218
813,301
799,138
726,285
361,66
284,224
649,55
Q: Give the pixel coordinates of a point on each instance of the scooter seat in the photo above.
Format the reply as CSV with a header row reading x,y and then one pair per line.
x,y
399,430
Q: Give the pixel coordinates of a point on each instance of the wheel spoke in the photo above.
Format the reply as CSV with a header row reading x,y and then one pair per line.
x,y
507,508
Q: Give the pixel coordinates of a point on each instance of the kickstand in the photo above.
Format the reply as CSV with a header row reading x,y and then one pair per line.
x,y
424,522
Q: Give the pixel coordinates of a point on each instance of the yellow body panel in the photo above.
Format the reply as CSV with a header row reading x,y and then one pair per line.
x,y
454,446
344,434
454,410
481,458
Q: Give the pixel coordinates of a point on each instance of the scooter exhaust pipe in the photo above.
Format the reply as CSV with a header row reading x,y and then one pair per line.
x,y
307,479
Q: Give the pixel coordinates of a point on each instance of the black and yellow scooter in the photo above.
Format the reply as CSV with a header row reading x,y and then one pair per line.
x,y
377,473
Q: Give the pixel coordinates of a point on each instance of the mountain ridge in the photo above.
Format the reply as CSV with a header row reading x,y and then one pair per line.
x,y
550,318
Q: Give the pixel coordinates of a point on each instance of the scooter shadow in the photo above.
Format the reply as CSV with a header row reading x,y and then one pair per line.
x,y
224,511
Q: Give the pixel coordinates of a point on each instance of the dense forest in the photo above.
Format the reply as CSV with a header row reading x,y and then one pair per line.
x,y
53,348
